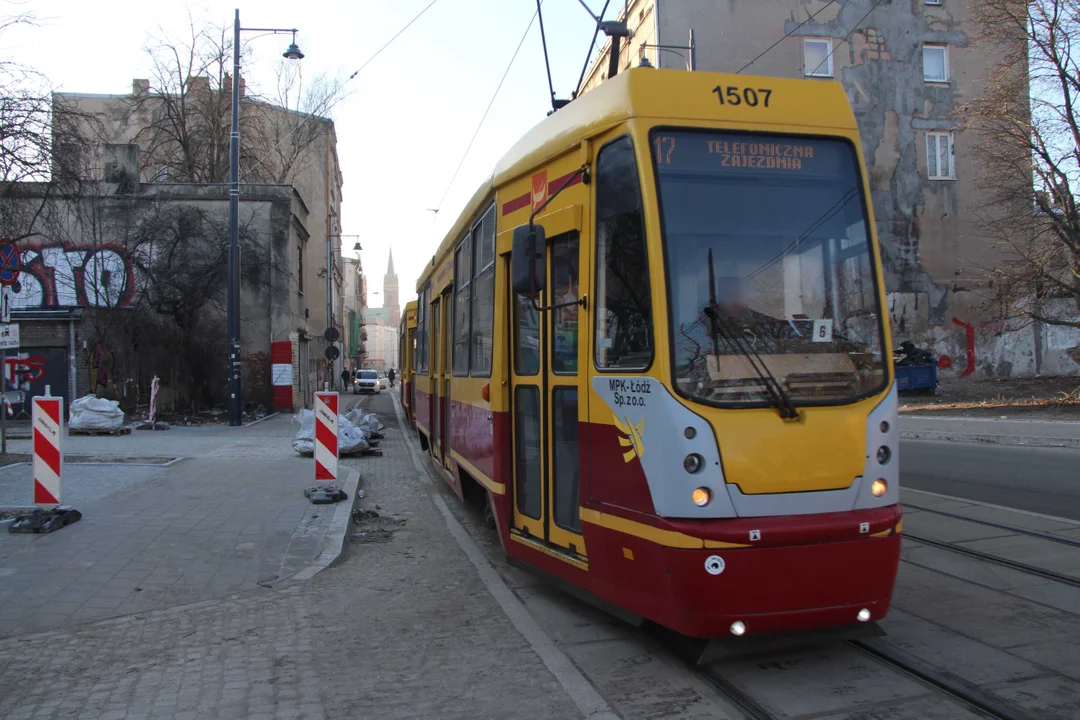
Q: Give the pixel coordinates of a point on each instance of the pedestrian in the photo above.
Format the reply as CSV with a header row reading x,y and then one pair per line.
x,y
391,376
345,376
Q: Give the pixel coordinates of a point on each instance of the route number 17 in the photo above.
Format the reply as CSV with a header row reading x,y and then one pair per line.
x,y
732,95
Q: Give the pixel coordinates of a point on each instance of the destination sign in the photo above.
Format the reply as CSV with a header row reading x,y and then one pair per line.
x,y
713,152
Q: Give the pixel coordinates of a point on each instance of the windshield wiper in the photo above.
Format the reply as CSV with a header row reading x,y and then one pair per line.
x,y
776,391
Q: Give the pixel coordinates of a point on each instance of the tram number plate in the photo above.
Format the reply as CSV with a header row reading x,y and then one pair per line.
x,y
734,95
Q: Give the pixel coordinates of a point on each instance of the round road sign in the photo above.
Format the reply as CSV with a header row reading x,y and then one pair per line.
x,y
331,334
332,352
10,262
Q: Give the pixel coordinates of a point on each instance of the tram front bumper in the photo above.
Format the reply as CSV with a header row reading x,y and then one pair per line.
x,y
785,589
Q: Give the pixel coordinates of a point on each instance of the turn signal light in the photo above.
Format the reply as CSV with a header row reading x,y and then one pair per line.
x,y
879,487
485,392
701,496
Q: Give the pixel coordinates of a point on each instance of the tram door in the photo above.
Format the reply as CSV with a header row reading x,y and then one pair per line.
x,y
545,398
436,380
445,367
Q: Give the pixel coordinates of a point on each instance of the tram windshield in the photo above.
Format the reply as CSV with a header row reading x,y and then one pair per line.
x,y
769,266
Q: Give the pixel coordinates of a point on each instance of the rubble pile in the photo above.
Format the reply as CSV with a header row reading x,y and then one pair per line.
x,y
358,432
93,413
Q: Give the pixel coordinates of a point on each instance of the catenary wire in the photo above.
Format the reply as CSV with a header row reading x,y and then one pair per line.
x,y
786,36
468,148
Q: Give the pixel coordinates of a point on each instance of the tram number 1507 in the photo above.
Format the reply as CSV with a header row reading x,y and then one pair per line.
x,y
732,95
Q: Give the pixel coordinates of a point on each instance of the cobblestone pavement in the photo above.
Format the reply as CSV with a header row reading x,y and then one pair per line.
x,y
402,628
230,516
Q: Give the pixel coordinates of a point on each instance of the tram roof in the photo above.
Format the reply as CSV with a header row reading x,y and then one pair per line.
x,y
655,93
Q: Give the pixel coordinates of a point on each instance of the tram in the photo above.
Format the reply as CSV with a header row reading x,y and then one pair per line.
x,y
406,346
654,344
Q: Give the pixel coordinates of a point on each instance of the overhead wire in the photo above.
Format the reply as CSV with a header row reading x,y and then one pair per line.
x,y
847,37
345,82
490,103
786,36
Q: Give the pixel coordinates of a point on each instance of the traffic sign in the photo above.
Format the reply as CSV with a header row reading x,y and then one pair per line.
x,y
10,262
332,352
331,335
5,303
9,337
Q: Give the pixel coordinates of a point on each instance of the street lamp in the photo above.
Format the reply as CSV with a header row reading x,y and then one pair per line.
x,y
233,312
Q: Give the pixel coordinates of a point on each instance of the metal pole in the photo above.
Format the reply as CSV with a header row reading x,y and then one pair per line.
x,y
233,319
330,272
4,407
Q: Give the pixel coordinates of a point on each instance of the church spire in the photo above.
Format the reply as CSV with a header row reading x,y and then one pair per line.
x,y
390,265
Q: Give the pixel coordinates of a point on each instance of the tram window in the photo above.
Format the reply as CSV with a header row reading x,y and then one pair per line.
x,y
564,289
624,306
483,299
566,462
462,271
527,337
483,312
424,315
527,451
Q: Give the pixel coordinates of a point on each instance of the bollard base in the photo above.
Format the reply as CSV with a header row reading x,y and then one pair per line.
x,y
325,494
45,521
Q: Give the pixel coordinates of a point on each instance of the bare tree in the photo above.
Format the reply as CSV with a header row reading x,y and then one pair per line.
x,y
185,119
33,133
1028,123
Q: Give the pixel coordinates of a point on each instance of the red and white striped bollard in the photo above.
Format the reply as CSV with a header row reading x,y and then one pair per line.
x,y
47,419
326,436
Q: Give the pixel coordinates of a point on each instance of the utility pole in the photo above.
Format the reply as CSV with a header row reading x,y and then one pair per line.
x,y
232,324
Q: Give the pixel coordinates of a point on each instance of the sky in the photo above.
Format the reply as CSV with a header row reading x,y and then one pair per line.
x,y
407,117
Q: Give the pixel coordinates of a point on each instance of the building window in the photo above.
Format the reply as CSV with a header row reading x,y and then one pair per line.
x,y
817,58
935,59
932,2
939,156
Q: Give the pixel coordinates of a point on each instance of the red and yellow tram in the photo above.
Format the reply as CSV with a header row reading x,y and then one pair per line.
x,y
654,342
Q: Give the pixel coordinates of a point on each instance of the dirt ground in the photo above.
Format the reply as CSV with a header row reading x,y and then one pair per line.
x,y
1039,398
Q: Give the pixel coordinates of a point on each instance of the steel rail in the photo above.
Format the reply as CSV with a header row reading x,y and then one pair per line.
x,y
978,555
957,688
1002,526
740,699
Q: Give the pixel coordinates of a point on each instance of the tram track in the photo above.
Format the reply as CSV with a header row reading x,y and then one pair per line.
x,y
996,560
1001,526
956,688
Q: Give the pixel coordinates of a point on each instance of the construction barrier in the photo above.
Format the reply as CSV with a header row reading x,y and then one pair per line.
x,y
47,419
326,436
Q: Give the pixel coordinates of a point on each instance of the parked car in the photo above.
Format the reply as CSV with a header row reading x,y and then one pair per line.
x,y
384,382
366,381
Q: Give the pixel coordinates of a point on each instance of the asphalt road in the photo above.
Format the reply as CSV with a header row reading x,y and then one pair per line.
x,y
1043,480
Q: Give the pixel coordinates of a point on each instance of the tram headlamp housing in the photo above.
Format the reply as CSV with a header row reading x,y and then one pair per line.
x,y
879,487
693,463
884,454
864,615
701,496
738,628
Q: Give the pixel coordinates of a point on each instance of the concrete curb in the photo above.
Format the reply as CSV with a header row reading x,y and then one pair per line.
x,y
1022,440
337,535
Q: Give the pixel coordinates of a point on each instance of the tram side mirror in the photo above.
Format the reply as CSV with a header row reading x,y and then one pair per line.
x,y
527,260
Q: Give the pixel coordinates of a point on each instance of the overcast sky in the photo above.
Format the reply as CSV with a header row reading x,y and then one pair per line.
x,y
408,117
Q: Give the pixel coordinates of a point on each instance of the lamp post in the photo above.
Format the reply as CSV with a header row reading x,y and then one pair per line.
x,y
235,404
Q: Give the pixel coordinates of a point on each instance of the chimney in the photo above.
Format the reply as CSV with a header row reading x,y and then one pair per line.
x,y
140,87
226,84
198,83
243,87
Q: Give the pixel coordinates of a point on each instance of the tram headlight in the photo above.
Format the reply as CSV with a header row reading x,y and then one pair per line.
x,y
738,628
692,463
884,454
879,488
701,496
864,615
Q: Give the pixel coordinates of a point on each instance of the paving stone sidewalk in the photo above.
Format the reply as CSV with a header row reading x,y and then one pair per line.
x,y
402,628
229,516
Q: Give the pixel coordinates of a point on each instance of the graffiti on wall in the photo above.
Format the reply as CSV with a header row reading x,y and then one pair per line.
x,y
57,276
